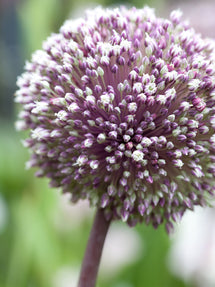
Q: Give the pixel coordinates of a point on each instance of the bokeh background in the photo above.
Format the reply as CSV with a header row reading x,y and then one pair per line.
x,y
42,235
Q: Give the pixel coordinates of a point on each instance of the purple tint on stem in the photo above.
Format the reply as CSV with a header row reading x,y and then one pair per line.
x,y
90,264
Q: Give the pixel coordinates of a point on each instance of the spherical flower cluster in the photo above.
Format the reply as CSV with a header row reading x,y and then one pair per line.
x,y
121,111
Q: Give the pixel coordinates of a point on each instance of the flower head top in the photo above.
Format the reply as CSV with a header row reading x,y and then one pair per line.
x,y
121,111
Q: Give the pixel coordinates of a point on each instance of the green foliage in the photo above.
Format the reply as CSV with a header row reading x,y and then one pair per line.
x,y
37,19
150,269
32,246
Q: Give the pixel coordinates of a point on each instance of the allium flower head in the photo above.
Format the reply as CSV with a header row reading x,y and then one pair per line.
x,y
121,111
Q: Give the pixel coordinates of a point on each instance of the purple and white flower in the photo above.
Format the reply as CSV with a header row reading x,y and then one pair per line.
x,y
121,110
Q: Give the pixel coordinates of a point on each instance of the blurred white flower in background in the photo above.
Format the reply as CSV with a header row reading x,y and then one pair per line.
x,y
123,246
121,239
3,213
66,276
192,254
71,215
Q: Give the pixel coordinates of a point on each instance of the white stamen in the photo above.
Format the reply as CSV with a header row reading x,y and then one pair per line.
x,y
132,107
137,155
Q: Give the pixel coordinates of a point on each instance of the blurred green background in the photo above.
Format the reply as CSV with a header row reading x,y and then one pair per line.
x,y
42,236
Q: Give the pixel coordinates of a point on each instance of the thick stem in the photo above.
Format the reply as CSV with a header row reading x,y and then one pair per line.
x,y
93,251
